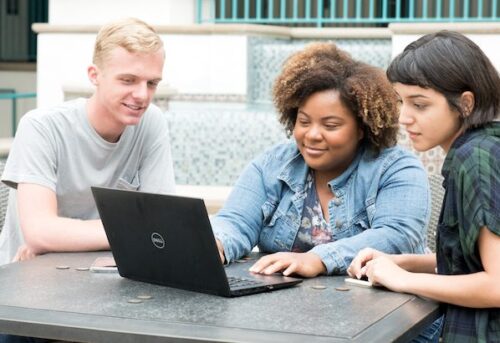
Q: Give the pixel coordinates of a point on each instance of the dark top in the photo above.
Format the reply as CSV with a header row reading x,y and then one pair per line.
x,y
472,201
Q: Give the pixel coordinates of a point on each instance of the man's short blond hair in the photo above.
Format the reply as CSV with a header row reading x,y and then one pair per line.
x,y
132,34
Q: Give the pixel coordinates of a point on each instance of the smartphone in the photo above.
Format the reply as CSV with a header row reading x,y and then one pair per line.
x,y
104,265
363,282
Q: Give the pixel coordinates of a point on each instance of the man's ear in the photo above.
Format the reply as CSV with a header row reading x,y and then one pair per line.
x,y
467,102
92,73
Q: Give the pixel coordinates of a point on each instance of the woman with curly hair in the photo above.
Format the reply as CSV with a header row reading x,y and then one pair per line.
x,y
340,186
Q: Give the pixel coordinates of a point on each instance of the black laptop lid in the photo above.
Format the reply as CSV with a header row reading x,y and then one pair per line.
x,y
153,241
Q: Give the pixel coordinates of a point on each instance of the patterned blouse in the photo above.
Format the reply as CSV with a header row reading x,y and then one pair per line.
x,y
314,229
472,201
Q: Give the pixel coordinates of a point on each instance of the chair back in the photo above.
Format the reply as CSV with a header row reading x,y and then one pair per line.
x,y
437,195
4,196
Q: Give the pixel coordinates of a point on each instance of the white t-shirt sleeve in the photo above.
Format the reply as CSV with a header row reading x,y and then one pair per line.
x,y
32,158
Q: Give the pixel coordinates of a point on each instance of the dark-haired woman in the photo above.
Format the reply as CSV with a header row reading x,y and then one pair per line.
x,y
340,186
450,97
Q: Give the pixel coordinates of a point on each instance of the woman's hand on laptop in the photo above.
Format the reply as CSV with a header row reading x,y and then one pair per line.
x,y
304,264
221,251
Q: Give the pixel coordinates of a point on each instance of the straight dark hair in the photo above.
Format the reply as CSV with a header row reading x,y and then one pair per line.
x,y
451,64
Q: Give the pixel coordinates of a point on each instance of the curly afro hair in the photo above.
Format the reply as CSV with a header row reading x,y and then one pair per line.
x,y
363,89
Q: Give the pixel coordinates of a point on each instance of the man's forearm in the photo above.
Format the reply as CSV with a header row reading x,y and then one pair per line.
x,y
64,234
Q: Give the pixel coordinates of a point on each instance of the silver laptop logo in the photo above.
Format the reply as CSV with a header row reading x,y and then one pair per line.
x,y
157,240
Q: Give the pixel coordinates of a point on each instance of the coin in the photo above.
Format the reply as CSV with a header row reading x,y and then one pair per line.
x,y
134,301
318,287
62,267
241,261
82,269
343,289
246,258
144,296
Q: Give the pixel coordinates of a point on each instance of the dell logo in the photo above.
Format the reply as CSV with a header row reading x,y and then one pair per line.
x,y
157,240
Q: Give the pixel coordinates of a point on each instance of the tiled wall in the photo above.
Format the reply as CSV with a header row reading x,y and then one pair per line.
x,y
267,56
4,195
211,146
432,159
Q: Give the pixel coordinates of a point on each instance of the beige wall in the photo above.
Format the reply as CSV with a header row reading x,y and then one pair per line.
x,y
485,35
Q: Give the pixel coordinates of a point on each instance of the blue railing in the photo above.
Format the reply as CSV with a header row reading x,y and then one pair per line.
x,y
334,12
13,96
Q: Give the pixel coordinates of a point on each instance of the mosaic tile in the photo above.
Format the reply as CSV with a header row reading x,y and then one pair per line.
x,y
212,146
4,196
432,159
266,58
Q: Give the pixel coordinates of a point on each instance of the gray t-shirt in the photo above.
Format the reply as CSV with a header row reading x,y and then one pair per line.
x,y
58,148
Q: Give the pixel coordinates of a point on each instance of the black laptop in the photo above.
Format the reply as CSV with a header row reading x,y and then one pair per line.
x,y
168,240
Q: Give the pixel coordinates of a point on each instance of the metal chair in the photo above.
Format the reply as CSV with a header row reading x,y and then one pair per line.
x,y
4,196
437,195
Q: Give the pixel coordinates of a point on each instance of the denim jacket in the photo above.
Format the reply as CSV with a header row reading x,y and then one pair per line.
x,y
381,202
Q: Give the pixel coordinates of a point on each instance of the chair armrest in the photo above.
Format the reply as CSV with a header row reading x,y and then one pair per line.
x,y
5,144
214,196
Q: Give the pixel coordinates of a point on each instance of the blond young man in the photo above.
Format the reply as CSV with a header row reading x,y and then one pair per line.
x,y
116,138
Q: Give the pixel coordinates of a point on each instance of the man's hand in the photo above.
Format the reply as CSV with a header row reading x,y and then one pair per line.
x,y
221,251
304,264
24,253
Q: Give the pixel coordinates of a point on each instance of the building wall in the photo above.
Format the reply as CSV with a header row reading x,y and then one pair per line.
x,y
62,61
199,64
485,35
489,43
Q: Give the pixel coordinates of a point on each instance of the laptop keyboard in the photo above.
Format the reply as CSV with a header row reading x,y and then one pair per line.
x,y
236,282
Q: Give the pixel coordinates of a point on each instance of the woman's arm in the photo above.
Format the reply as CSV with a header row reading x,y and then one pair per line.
x,y
477,290
409,262
238,224
416,263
